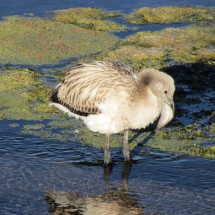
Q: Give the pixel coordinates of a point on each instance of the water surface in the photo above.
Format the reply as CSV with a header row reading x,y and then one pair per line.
x,y
41,7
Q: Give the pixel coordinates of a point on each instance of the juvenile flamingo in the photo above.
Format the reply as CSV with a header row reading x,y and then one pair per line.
x,y
111,97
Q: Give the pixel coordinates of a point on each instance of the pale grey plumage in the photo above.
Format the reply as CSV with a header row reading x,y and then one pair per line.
x,y
111,97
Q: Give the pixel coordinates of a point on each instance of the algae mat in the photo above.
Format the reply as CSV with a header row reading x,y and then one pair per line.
x,y
158,49
97,19
34,41
191,139
92,18
166,15
23,96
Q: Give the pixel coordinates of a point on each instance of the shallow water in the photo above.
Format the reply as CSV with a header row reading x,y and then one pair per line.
x,y
33,168
41,7
44,176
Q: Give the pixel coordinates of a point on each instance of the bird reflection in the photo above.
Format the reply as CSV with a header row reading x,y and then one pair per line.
x,y
112,202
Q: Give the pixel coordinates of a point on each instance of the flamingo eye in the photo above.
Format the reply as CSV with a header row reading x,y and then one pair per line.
x,y
165,91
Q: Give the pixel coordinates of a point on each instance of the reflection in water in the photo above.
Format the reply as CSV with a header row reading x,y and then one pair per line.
x,y
110,203
159,183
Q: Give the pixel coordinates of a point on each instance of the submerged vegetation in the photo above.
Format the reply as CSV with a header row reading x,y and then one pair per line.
x,y
24,95
92,18
192,139
166,15
36,41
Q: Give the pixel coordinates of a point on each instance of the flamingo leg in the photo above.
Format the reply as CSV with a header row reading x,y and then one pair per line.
x,y
126,149
107,155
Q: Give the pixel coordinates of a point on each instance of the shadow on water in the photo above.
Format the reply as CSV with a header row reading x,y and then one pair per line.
x,y
195,85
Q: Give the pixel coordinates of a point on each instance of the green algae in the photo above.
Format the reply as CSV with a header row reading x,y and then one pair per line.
x,y
91,18
58,127
14,125
190,139
23,95
49,135
138,56
63,123
33,127
180,140
183,45
35,41
97,140
166,15
87,13
63,128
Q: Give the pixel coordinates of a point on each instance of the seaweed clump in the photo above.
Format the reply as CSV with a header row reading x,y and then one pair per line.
x,y
92,18
167,15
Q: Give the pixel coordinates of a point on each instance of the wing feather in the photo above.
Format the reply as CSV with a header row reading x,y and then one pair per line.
x,y
88,84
